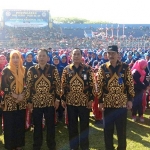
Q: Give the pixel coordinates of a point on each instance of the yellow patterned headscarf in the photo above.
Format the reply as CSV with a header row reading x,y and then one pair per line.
x,y
18,72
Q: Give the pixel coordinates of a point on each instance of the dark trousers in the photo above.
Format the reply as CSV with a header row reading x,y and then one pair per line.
x,y
137,105
49,114
115,117
14,128
81,137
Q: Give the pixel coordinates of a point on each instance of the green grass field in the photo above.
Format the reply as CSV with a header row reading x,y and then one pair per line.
x,y
138,136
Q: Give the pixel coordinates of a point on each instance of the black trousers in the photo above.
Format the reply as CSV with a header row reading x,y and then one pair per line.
x,y
137,105
14,128
115,117
49,114
76,137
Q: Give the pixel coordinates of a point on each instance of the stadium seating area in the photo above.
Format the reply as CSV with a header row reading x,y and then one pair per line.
x,y
70,35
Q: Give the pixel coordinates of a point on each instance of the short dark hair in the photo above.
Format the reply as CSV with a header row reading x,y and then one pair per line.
x,y
43,50
77,49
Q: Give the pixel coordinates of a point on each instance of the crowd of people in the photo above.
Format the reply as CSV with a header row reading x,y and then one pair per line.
x,y
51,83
59,37
73,77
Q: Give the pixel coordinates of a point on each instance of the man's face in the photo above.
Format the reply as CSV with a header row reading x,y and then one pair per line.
x,y
42,57
112,56
76,56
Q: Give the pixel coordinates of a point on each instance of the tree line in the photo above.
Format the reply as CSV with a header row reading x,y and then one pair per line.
x,y
77,20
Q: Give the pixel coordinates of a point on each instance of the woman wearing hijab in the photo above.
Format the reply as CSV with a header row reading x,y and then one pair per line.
x,y
28,63
29,60
140,84
88,58
94,57
3,62
99,56
63,60
14,103
56,62
96,112
104,58
129,58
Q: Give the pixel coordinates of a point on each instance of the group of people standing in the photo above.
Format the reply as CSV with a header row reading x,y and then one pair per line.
x,y
45,87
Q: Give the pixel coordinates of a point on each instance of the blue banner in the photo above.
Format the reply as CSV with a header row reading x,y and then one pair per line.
x,y
26,18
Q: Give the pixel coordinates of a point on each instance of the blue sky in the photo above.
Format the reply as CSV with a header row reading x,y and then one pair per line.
x,y
117,11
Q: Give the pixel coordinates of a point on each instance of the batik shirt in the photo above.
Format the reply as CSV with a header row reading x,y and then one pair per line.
x,y
77,85
8,86
43,86
115,85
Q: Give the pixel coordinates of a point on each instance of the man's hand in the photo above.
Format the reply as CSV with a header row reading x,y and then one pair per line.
x,y
101,106
30,107
63,103
56,105
89,104
129,105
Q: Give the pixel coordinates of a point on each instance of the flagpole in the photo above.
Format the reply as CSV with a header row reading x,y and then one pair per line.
x,y
112,31
117,31
123,30
106,30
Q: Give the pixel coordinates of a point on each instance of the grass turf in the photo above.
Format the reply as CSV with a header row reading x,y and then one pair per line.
x,y
138,136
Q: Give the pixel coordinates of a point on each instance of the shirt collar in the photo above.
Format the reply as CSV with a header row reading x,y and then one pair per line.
x,y
108,64
71,65
38,66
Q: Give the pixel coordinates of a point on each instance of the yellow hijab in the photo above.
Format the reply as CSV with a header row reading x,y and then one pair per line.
x,y
21,71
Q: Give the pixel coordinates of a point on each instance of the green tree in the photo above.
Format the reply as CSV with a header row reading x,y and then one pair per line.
x,y
77,20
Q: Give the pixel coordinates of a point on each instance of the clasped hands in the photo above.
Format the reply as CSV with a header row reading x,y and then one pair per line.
x,y
18,97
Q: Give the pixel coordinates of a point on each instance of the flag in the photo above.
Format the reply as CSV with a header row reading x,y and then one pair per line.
x,y
94,33
85,34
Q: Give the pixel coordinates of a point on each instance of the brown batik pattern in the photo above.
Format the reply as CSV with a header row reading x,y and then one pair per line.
x,y
9,86
43,98
45,86
76,96
115,97
118,94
